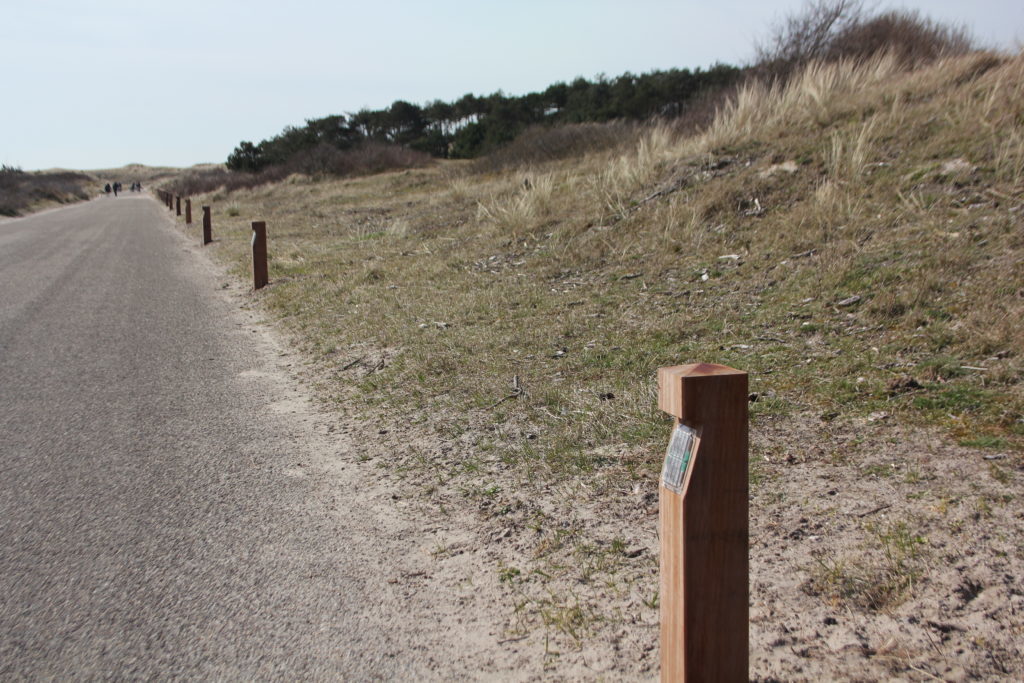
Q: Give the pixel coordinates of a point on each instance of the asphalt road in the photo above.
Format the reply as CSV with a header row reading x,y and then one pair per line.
x,y
147,528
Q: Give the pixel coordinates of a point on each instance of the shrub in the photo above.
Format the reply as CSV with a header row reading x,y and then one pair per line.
x,y
539,144
208,180
910,37
20,190
830,30
366,158
321,160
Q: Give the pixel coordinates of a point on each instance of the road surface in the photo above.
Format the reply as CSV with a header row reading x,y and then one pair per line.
x,y
155,516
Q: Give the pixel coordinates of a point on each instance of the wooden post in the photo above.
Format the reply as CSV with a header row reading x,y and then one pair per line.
x,y
703,525
207,226
188,211
177,205
259,255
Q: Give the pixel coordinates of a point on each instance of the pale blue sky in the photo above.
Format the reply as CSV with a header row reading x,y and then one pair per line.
x,y
101,84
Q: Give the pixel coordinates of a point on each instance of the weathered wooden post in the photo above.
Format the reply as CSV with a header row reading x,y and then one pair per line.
x,y
259,255
703,525
188,211
207,226
177,205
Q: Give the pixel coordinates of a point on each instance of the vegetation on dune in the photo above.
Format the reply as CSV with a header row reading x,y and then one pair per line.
x,y
406,135
22,191
854,228
322,159
847,230
474,125
832,30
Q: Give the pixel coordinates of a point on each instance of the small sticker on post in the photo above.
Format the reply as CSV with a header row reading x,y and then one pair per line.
x,y
677,459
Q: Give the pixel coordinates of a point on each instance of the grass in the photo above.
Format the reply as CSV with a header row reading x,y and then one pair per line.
x,y
880,579
836,238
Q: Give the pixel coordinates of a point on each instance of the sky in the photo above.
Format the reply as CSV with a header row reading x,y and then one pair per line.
x,y
91,85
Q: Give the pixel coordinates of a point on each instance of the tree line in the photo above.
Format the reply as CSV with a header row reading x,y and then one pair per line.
x,y
476,125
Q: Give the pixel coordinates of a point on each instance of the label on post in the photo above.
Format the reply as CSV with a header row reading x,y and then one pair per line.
x,y
677,459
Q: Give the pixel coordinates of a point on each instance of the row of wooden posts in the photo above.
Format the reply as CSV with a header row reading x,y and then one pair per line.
x,y
703,507
260,272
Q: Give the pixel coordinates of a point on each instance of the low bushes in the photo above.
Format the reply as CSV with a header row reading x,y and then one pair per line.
x,y
20,190
322,160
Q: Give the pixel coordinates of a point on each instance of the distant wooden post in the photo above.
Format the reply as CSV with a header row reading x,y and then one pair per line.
x,y
703,525
188,211
259,255
177,205
207,226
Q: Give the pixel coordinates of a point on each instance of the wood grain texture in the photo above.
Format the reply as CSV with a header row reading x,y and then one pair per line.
x,y
704,530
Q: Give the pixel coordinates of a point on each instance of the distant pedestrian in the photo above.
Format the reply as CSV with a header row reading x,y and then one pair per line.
x,y
106,188
115,188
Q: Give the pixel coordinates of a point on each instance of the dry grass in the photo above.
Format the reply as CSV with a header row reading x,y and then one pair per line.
x,y
23,192
852,239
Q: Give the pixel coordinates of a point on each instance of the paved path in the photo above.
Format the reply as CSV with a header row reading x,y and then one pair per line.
x,y
155,519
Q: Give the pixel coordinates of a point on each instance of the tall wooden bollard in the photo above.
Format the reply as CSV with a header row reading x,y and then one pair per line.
x,y
207,226
703,525
188,211
259,255
177,205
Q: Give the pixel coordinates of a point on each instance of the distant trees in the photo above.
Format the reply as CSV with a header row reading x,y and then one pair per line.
x,y
333,131
246,157
475,125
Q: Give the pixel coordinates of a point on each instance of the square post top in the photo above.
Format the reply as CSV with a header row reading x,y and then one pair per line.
x,y
682,388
